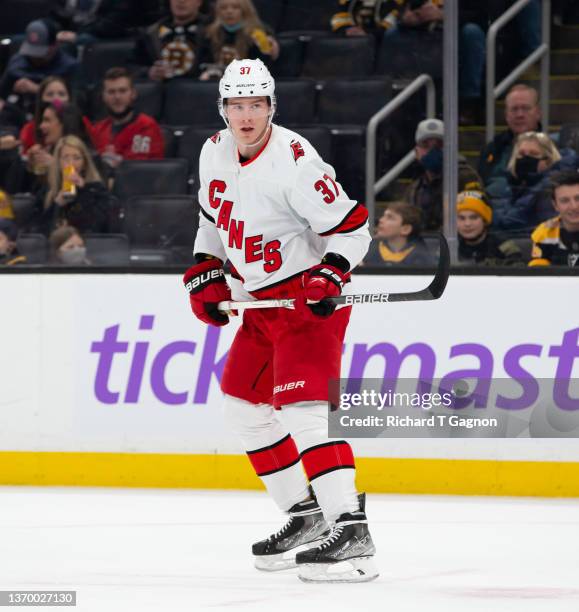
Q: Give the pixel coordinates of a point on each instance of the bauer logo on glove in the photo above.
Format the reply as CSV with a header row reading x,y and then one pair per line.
x,y
197,283
206,285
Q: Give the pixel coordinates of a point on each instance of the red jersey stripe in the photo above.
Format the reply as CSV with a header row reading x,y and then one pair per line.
x,y
352,221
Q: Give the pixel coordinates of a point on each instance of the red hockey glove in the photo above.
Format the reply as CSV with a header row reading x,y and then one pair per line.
x,y
325,280
207,287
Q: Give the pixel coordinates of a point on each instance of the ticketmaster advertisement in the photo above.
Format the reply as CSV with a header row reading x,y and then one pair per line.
x,y
119,363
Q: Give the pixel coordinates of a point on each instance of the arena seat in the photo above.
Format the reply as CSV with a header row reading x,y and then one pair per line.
x,y
100,56
319,137
341,58
161,221
352,101
107,249
23,207
290,60
270,12
190,102
15,15
151,177
296,101
34,246
301,15
407,56
151,257
189,147
170,139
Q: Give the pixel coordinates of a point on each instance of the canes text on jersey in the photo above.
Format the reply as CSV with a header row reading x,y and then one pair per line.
x,y
253,247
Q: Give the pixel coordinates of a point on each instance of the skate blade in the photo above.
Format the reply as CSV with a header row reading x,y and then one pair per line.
x,y
360,569
282,561
275,563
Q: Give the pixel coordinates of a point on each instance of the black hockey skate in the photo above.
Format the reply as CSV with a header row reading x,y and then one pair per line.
x,y
306,527
346,555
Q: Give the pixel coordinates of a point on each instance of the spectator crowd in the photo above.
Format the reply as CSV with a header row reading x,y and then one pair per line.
x,y
74,124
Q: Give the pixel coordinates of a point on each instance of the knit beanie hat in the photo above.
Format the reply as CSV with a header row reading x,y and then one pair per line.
x,y
475,201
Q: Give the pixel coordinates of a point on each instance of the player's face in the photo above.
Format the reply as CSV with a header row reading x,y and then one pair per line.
x,y
248,118
469,224
566,203
390,225
118,95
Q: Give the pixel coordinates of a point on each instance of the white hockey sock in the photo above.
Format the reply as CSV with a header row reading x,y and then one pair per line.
x,y
270,448
329,464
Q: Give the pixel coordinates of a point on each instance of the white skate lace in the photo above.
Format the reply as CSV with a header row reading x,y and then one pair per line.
x,y
333,537
283,529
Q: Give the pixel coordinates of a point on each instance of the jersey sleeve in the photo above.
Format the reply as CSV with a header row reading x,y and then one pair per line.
x,y
538,255
207,239
320,199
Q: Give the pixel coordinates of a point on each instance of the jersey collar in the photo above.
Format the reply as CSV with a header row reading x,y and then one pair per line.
x,y
249,161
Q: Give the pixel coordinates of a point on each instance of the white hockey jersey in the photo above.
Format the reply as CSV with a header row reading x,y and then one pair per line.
x,y
277,214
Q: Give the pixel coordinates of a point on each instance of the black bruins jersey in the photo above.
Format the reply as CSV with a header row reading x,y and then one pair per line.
x,y
554,245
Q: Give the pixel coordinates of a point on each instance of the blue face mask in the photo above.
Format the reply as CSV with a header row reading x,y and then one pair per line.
x,y
432,161
231,29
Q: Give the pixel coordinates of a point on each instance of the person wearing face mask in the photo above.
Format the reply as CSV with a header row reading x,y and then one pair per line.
x,y
425,192
67,247
9,255
527,200
522,114
125,133
53,90
75,194
239,31
476,244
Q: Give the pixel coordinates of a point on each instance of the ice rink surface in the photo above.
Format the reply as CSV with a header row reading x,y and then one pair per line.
x,y
165,551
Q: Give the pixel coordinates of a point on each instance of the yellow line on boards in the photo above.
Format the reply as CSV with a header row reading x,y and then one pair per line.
x,y
375,475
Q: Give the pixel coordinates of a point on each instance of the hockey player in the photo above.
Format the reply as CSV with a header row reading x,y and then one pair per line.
x,y
272,207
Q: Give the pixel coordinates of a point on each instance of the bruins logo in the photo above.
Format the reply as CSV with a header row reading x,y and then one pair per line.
x,y
180,56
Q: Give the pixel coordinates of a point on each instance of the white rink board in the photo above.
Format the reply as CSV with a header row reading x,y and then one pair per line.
x,y
59,395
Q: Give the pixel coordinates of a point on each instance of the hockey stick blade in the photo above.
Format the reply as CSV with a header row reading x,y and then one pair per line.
x,y
438,284
432,292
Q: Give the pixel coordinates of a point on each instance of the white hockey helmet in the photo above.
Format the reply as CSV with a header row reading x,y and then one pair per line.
x,y
246,78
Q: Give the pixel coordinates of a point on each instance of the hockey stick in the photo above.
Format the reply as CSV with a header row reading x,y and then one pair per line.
x,y
432,292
